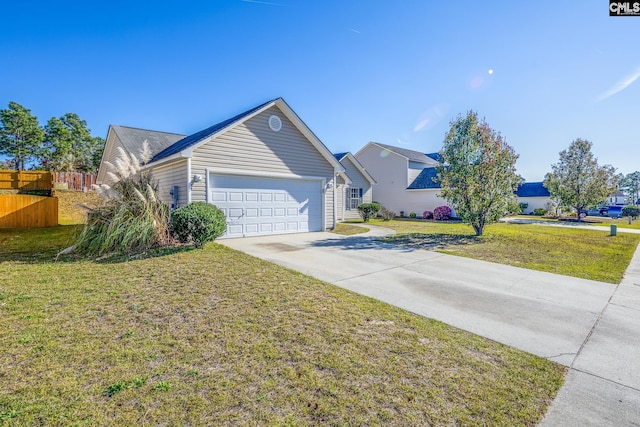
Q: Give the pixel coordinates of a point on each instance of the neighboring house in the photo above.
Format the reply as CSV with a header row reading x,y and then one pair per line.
x,y
404,178
264,168
350,196
617,198
535,195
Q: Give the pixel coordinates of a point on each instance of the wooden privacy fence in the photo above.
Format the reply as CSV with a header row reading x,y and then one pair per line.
x,y
27,211
25,181
78,181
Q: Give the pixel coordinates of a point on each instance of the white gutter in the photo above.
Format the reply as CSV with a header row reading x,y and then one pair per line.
x,y
189,184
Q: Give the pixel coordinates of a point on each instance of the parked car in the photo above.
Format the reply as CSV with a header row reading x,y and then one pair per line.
x,y
613,211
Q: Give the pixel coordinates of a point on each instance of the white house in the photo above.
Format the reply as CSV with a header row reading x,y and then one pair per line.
x,y
535,195
264,168
404,178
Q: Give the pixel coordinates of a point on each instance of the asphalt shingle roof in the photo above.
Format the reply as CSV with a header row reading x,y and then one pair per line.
x,y
190,140
532,189
425,180
339,156
414,156
436,156
132,139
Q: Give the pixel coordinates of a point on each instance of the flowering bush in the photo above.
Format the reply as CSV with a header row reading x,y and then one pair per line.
x,y
442,213
427,215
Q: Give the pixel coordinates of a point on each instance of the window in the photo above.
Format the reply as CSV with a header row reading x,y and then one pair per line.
x,y
354,198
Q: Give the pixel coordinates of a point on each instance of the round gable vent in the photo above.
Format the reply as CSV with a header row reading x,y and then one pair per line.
x,y
275,123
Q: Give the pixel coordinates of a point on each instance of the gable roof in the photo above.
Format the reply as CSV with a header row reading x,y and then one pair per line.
x,y
532,189
192,139
132,139
344,156
191,142
425,180
414,156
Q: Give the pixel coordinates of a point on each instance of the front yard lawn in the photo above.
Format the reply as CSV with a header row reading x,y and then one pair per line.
x,y
216,337
348,229
573,252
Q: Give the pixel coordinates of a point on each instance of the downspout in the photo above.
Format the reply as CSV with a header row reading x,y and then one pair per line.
x,y
189,183
343,196
335,205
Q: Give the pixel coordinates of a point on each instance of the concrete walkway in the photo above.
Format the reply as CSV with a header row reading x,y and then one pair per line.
x,y
621,228
591,327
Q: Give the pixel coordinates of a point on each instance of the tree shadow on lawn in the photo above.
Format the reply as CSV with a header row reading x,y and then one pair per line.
x,y
357,243
431,242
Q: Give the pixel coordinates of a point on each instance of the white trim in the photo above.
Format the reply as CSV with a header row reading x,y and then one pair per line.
x,y
225,171
177,156
189,183
335,205
207,181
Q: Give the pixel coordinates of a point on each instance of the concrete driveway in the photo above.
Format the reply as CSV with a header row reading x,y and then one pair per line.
x,y
591,327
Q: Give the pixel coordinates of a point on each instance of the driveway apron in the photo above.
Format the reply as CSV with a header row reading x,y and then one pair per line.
x,y
582,324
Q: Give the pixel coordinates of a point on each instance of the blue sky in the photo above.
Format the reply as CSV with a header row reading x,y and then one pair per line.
x,y
395,72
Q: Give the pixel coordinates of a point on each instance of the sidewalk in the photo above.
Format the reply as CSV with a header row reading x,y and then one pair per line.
x,y
602,387
569,224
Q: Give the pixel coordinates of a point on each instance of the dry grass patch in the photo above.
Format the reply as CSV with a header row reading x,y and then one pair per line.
x,y
215,337
68,211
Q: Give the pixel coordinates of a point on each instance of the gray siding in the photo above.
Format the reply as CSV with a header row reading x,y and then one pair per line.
x,y
253,147
357,181
169,175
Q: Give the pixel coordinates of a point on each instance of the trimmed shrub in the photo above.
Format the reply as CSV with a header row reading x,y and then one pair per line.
x,y
523,206
539,211
632,211
427,215
368,210
412,215
198,222
442,213
386,214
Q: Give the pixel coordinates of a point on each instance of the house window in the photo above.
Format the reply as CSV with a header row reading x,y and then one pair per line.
x,y
354,198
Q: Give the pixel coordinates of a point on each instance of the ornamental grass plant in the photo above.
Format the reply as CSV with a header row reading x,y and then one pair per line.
x,y
131,218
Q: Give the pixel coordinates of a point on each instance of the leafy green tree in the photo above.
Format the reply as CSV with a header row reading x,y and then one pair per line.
x,y
577,180
630,185
69,144
20,135
478,177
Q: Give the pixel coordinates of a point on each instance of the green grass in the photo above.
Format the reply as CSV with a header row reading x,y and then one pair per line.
x,y
601,221
349,230
216,337
573,252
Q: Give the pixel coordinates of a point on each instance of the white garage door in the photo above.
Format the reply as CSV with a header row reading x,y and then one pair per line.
x,y
257,206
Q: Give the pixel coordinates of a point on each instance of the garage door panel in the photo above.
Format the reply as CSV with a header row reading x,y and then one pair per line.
x,y
257,206
218,196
